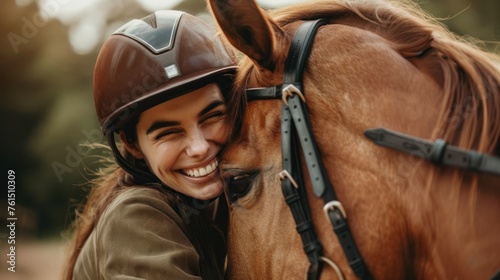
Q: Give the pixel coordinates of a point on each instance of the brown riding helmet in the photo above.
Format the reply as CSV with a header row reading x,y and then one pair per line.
x,y
154,59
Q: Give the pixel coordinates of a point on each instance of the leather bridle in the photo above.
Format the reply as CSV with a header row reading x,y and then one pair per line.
x,y
295,131
296,135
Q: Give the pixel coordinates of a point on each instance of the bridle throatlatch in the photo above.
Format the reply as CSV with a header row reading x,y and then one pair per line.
x,y
296,133
438,152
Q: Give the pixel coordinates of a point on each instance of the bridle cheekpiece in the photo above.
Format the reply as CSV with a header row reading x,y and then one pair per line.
x,y
295,131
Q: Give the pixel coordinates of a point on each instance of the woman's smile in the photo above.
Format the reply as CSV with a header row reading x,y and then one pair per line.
x,y
203,171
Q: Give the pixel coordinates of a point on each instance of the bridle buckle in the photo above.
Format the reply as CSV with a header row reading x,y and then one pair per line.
x,y
330,206
284,175
289,91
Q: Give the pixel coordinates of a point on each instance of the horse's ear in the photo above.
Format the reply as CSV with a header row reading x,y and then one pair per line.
x,y
248,29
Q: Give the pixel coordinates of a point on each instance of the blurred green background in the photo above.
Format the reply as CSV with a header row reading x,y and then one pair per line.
x,y
48,50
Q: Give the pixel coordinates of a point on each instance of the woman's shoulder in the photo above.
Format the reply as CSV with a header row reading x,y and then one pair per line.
x,y
138,194
140,201
140,229
141,192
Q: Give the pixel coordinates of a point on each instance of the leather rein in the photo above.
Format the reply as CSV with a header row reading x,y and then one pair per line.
x,y
296,133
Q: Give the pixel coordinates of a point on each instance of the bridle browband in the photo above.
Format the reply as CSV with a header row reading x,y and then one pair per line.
x,y
296,133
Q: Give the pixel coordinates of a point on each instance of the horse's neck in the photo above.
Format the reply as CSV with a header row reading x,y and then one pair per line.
x,y
439,230
451,230
458,229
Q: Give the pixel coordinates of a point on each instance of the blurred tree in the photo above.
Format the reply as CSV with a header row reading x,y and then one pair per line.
x,y
479,19
39,74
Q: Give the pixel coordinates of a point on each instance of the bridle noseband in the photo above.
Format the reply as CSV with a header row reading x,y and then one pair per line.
x,y
296,133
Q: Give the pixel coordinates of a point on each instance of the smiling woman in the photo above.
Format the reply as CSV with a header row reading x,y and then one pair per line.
x,y
161,88
179,140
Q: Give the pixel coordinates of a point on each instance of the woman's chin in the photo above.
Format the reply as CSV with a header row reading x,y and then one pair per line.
x,y
208,192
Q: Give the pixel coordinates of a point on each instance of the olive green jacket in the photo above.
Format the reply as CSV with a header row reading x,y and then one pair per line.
x,y
139,236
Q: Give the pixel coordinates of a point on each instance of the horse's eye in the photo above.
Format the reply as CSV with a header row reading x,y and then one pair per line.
x,y
239,185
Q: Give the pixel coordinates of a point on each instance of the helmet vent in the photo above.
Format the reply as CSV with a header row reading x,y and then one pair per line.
x,y
146,30
151,20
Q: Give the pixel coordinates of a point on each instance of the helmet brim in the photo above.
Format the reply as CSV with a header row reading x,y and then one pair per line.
x,y
175,88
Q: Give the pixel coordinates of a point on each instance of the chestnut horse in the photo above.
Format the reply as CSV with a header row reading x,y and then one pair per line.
x,y
373,64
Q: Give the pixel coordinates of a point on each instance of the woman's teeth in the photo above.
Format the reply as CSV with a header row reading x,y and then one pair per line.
x,y
203,171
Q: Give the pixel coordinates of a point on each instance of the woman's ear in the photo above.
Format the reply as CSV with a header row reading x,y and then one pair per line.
x,y
132,148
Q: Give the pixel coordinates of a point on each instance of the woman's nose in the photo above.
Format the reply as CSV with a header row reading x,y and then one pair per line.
x,y
198,145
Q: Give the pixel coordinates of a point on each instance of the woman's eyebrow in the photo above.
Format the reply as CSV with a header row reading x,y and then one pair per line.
x,y
161,124
210,106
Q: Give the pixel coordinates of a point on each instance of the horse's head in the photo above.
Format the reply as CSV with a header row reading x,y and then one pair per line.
x,y
375,64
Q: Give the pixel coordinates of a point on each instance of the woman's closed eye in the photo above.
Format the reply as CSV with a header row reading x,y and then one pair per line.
x,y
167,133
213,116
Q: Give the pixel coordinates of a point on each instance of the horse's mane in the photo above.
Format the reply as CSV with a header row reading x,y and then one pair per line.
x,y
470,115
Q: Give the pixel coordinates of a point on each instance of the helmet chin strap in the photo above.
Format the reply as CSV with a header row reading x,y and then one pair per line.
x,y
147,176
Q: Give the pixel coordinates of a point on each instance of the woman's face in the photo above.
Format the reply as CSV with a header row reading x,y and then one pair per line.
x,y
181,138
